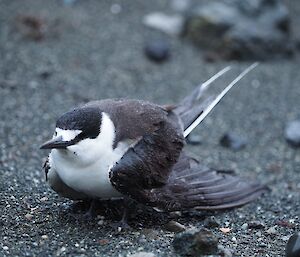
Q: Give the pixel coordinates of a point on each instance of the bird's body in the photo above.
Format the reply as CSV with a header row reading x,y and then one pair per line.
x,y
129,148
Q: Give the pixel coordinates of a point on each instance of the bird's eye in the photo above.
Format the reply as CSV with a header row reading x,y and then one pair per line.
x,y
55,133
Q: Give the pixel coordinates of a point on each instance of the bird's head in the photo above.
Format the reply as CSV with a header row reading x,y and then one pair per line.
x,y
83,133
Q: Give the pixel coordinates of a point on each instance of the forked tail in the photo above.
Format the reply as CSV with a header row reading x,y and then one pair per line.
x,y
195,107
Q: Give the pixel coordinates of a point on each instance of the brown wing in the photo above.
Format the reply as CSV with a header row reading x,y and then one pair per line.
x,y
192,185
148,164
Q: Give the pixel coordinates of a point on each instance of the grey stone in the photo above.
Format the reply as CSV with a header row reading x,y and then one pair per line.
x,y
233,141
169,24
292,133
174,226
196,243
211,222
193,139
256,225
157,50
249,29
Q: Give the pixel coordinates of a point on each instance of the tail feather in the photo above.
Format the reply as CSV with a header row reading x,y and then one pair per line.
x,y
196,106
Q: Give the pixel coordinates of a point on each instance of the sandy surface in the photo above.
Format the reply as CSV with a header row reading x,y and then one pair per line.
x,y
91,53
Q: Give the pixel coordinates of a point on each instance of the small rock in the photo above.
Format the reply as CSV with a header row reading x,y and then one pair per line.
x,y
45,73
169,24
29,216
44,199
45,237
292,133
61,250
115,8
224,252
256,225
5,248
211,222
157,50
285,238
196,243
174,226
193,139
233,141
272,231
293,246
142,254
100,222
244,226
33,84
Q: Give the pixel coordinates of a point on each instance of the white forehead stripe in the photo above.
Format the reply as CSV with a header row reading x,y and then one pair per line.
x,y
67,134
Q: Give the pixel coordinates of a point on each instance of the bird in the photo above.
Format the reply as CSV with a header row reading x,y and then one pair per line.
x,y
116,149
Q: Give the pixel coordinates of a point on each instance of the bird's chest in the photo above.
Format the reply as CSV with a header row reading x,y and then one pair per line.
x,y
92,179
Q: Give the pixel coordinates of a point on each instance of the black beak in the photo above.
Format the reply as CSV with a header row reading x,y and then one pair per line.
x,y
56,143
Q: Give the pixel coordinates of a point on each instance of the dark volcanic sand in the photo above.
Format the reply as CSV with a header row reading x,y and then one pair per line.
x,y
89,53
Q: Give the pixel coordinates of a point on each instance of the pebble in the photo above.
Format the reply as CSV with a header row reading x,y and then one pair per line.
x,y
44,199
224,252
256,225
233,141
115,8
174,226
196,243
244,226
44,72
29,216
142,254
100,222
5,248
44,237
272,231
169,24
292,133
194,139
211,222
293,246
157,50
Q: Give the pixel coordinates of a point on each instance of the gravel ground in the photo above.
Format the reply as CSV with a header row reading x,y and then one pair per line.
x,y
87,53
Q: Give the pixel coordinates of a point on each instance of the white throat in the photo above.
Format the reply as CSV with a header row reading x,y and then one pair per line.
x,y
85,166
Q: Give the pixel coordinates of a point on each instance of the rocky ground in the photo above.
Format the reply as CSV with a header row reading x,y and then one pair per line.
x,y
55,56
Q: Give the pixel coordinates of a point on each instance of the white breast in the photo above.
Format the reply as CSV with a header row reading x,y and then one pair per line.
x,y
87,170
